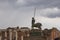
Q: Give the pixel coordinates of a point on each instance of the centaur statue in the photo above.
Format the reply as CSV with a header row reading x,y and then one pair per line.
x,y
38,25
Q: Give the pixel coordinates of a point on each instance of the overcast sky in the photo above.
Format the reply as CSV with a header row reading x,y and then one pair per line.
x,y
19,13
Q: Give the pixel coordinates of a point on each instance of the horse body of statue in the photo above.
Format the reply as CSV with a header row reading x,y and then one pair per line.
x,y
38,25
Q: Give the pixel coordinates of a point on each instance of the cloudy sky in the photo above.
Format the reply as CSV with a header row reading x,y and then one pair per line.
x,y
19,13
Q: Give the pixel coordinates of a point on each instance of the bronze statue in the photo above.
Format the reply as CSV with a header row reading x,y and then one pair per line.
x,y
38,25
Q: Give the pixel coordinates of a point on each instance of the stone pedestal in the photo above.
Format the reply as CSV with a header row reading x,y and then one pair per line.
x,y
36,34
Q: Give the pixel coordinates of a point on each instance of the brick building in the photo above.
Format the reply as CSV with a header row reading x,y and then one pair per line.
x,y
29,34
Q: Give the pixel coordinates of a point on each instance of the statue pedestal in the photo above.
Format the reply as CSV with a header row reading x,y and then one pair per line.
x,y
35,32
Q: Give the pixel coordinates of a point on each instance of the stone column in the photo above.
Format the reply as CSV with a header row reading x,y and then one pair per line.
x,y
16,36
28,35
5,35
10,34
21,37
0,37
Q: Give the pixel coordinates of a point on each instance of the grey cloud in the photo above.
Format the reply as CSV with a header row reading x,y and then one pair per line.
x,y
7,4
51,15
50,12
33,3
41,3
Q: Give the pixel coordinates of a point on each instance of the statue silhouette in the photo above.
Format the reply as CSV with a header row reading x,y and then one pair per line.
x,y
33,21
38,25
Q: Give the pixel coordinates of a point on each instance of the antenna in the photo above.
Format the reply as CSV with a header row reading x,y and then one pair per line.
x,y
34,12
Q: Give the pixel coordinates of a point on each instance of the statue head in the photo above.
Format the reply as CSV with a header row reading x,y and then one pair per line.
x,y
33,18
